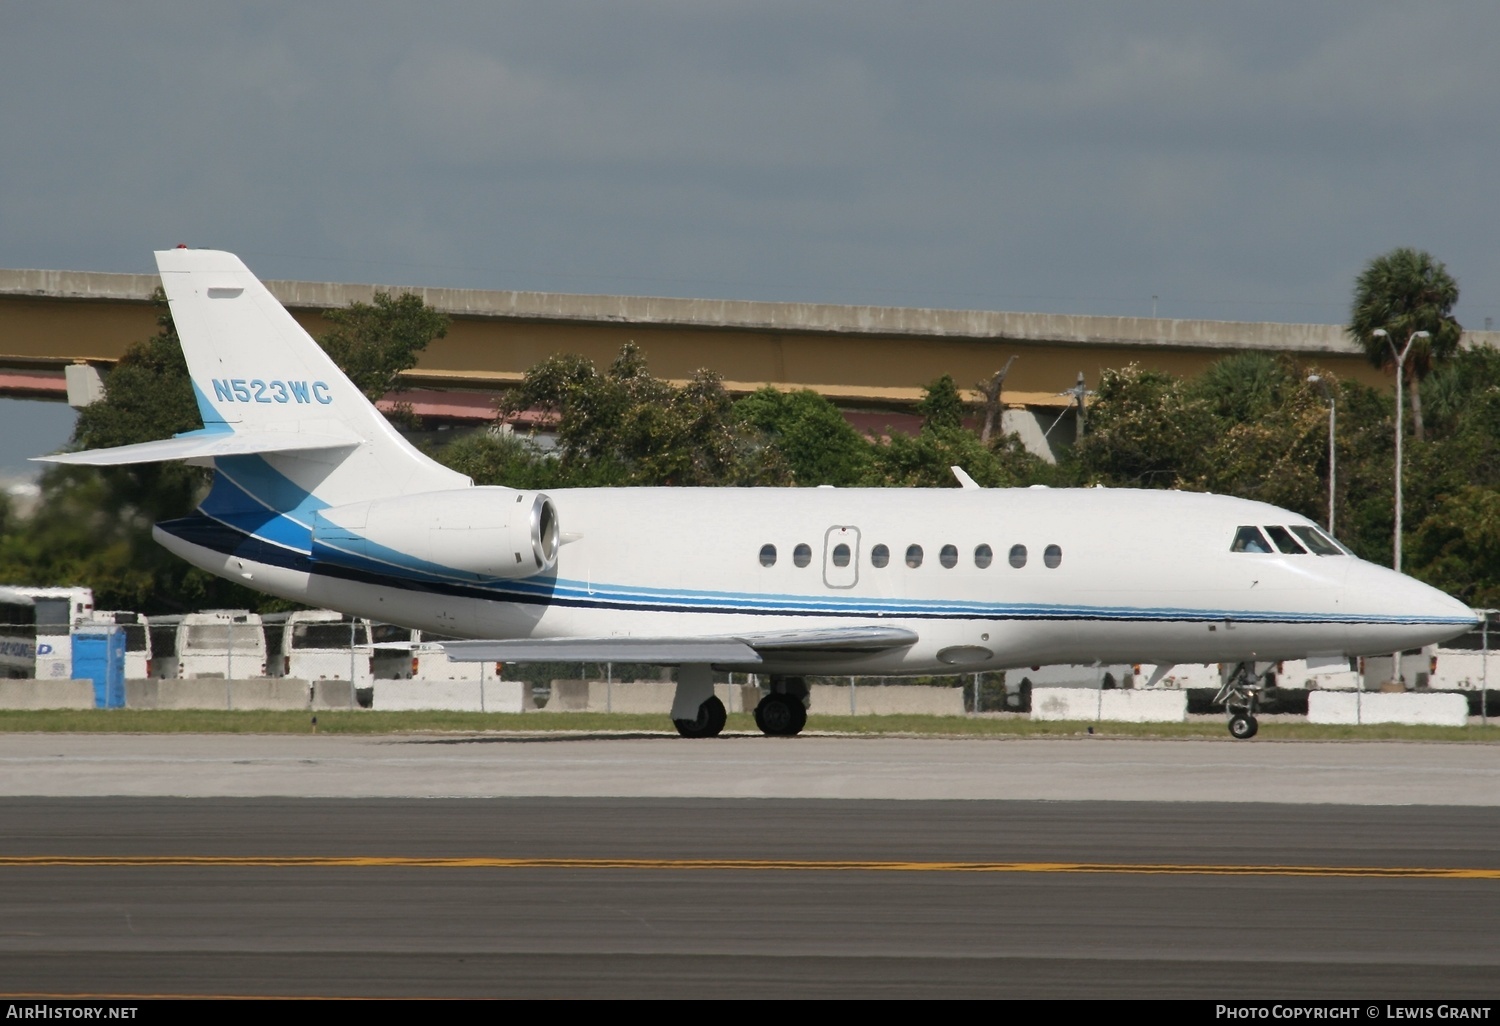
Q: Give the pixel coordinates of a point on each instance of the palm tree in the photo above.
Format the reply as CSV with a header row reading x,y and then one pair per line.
x,y
1406,291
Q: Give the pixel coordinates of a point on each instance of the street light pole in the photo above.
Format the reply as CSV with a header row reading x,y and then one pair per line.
x,y
1333,409
1400,359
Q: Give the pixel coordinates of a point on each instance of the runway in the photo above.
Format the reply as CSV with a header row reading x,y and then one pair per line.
x,y
745,766
609,895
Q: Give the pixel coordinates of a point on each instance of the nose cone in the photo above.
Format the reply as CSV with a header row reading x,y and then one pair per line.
x,y
1387,611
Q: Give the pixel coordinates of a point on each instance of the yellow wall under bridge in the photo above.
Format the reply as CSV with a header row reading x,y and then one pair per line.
x,y
871,357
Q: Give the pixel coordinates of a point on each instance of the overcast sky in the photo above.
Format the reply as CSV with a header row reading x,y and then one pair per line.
x,y
1238,161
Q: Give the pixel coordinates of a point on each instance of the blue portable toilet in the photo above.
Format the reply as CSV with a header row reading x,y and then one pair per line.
x,y
99,656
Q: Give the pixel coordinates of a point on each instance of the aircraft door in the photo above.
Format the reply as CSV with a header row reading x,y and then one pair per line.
x,y
841,557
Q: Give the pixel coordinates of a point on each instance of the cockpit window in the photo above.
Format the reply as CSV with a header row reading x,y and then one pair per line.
x,y
1249,539
1285,542
1319,542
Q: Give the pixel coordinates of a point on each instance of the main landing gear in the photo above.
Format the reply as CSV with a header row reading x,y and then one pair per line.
x,y
698,712
1240,697
783,713
710,720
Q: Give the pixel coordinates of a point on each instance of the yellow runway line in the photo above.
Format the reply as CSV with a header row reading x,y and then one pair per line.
x,y
737,865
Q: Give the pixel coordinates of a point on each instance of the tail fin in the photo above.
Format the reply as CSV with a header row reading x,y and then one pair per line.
x,y
280,419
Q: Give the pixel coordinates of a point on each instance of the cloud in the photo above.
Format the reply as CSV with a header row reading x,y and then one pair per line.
x,y
1237,161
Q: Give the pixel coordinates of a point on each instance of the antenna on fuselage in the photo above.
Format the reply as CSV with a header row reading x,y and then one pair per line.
x,y
964,480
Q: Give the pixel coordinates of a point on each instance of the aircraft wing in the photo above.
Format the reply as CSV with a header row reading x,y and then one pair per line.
x,y
741,649
199,446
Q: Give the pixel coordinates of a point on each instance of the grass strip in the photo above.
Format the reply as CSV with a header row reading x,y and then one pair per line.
x,y
361,721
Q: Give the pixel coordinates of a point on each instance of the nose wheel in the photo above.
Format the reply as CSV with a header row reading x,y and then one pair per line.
x,y
1240,697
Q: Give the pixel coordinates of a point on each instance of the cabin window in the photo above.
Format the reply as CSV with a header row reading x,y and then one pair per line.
x,y
948,556
768,555
914,556
802,554
1018,556
880,556
1052,556
1285,542
841,554
1316,540
983,555
1249,539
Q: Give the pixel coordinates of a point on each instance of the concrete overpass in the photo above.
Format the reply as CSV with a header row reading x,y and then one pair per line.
x,y
864,358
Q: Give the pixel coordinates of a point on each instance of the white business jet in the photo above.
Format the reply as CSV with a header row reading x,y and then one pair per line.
x,y
317,499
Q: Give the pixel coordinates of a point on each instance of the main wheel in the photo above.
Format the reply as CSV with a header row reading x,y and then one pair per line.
x,y
1242,726
710,720
780,715
799,715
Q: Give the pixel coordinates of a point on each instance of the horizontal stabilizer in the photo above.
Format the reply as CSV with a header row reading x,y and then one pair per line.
x,y
744,649
211,444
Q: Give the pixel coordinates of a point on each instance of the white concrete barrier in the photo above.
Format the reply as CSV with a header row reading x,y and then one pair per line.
x,y
1341,707
256,694
643,696
1115,706
885,700
285,694
333,694
420,695
46,694
496,696
649,697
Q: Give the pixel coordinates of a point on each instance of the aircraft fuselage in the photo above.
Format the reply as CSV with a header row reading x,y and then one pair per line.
x,y
1117,575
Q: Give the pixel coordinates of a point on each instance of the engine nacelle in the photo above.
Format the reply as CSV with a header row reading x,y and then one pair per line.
x,y
480,533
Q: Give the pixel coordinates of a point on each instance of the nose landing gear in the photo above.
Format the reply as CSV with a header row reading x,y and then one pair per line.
x,y
1240,697
1243,726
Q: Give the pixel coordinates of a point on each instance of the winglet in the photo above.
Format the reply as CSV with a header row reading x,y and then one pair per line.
x,y
964,480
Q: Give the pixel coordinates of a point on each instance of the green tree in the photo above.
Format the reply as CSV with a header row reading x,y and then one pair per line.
x,y
818,444
1246,386
927,459
626,427
147,396
1147,429
492,458
1402,292
942,406
1277,453
1450,392
93,524
1457,547
374,342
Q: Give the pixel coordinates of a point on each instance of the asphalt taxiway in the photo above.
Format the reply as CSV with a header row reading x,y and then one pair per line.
x,y
643,866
